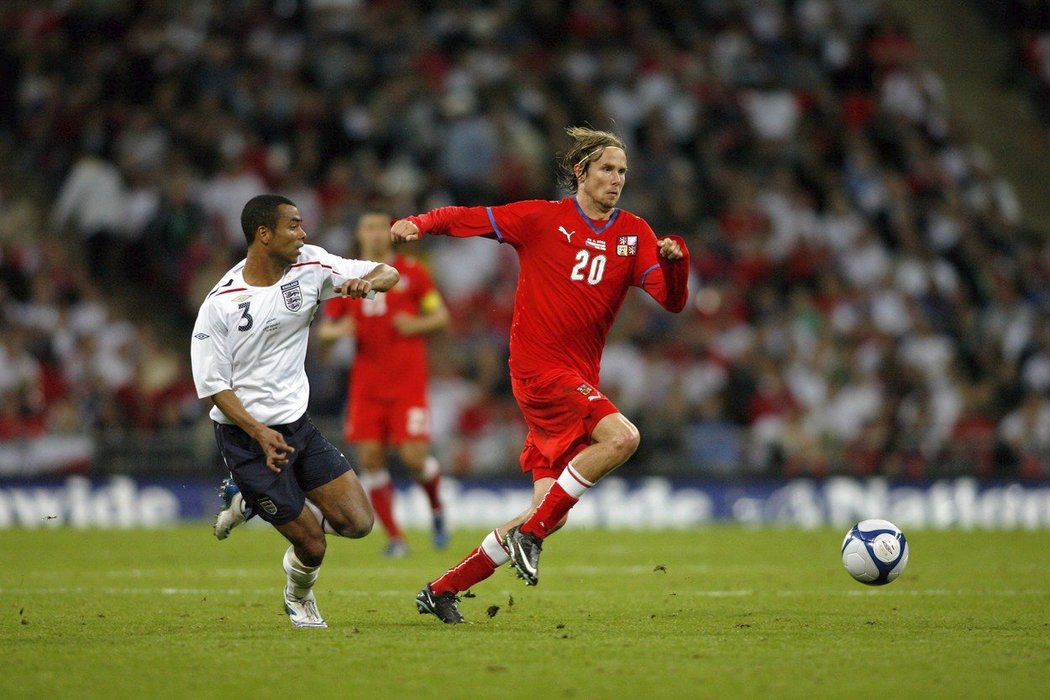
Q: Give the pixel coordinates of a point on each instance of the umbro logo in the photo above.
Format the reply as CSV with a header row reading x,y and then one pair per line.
x,y
567,234
202,336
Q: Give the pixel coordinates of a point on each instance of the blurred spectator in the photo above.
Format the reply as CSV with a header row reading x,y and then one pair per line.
x,y
92,204
867,297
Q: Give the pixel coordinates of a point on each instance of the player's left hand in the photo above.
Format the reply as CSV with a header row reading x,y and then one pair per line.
x,y
669,249
404,230
355,288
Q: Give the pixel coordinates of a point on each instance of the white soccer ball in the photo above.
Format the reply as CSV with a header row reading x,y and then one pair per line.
x,y
875,552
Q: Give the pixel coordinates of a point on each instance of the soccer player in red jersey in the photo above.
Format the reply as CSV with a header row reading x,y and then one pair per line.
x,y
387,400
578,257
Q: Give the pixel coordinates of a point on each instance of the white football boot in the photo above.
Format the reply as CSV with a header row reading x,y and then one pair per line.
x,y
232,513
303,611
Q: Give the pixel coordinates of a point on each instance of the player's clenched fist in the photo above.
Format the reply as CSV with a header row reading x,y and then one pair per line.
x,y
669,248
356,288
404,230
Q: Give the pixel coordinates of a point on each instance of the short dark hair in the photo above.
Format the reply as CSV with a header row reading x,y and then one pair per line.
x,y
261,210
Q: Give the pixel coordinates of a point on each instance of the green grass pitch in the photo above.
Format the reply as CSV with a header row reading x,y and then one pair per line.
x,y
719,612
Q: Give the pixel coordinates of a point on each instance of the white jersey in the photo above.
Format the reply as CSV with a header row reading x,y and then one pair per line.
x,y
253,339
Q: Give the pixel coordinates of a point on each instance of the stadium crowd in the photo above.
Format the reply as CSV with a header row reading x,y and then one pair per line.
x,y
866,296
1025,26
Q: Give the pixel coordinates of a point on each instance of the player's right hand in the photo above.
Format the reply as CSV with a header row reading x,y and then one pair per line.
x,y
404,230
275,448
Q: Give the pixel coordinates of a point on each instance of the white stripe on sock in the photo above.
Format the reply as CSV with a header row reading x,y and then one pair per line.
x,y
374,480
494,550
573,482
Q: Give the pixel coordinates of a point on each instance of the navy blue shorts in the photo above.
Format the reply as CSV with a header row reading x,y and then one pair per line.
x,y
279,498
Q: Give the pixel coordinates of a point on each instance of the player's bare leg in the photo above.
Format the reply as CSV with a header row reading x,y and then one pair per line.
x,y
343,510
614,440
344,506
426,472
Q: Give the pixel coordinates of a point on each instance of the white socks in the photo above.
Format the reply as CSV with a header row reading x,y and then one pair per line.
x,y
301,577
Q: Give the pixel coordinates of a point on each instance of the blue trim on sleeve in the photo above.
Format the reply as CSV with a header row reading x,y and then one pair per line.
x,y
647,271
495,228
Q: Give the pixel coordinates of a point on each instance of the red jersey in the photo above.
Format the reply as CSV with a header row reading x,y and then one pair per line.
x,y
388,365
575,273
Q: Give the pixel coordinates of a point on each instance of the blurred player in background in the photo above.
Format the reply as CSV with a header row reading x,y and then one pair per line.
x,y
578,258
387,400
248,354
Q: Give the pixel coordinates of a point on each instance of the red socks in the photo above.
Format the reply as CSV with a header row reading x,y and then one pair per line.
x,y
559,499
382,498
432,486
481,563
554,506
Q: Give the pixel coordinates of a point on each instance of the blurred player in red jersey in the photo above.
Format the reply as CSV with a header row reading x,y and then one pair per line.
x,y
578,258
387,402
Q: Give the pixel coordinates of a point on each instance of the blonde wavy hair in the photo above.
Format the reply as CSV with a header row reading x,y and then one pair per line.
x,y
587,146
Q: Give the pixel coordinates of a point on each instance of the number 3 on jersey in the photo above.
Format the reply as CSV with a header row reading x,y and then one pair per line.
x,y
588,268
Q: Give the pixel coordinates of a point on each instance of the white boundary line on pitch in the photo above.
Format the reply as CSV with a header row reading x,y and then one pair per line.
x,y
730,593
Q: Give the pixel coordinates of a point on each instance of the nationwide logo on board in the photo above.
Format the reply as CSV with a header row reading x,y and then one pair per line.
x,y
626,245
293,296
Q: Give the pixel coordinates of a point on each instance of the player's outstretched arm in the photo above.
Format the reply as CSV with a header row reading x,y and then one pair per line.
x,y
380,279
433,317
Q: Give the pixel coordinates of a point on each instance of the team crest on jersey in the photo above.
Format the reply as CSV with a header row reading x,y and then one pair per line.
x,y
585,389
626,245
293,296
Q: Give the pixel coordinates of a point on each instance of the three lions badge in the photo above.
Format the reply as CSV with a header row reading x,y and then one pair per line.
x,y
293,296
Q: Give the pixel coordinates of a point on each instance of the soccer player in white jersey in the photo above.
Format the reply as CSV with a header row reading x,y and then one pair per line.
x,y
248,353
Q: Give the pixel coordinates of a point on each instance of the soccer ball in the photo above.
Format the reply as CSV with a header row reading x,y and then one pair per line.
x,y
875,552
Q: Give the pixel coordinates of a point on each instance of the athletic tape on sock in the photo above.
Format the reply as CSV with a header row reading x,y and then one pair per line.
x,y
493,548
300,576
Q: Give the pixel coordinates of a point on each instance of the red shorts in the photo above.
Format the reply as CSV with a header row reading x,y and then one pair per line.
x,y
389,421
561,410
